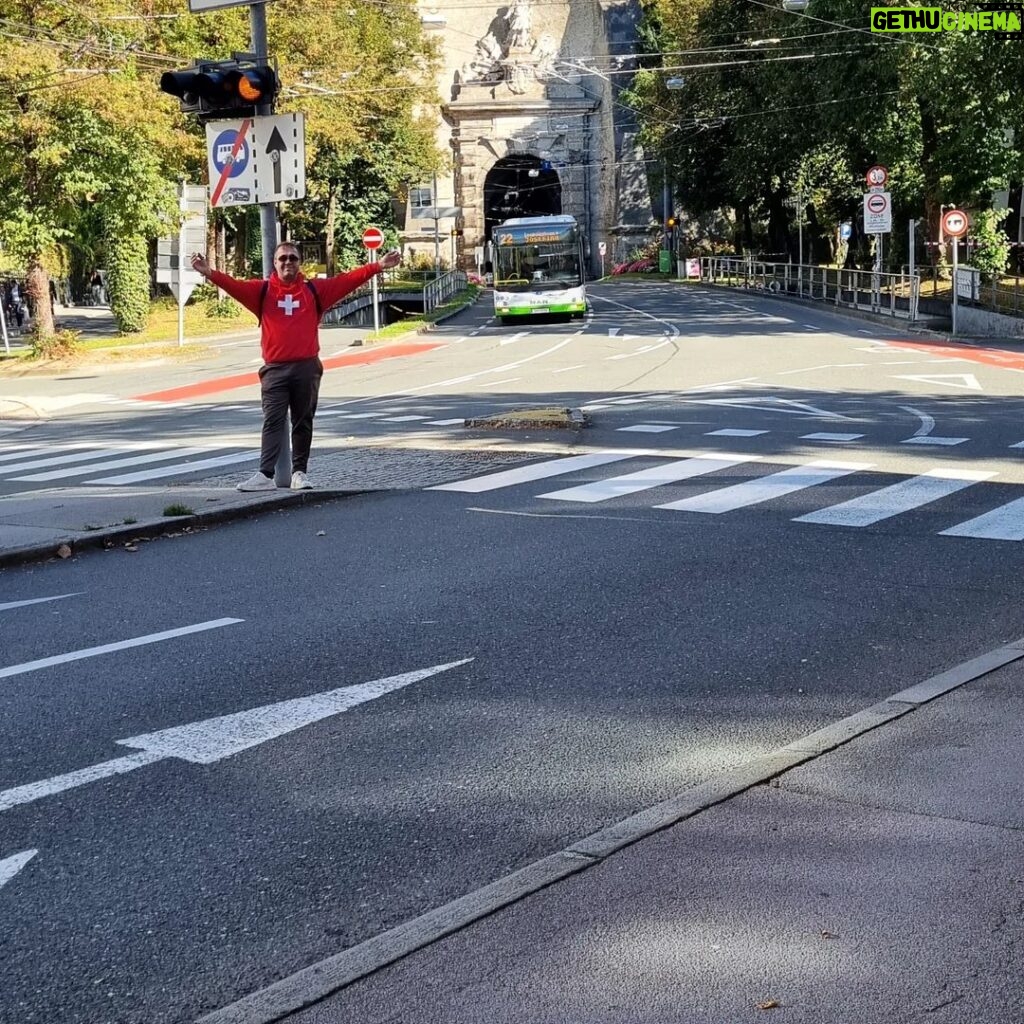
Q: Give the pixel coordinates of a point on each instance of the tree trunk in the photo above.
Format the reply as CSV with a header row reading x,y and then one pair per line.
x,y
37,291
332,209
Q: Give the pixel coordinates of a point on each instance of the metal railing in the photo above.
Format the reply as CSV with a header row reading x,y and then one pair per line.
x,y
441,289
894,295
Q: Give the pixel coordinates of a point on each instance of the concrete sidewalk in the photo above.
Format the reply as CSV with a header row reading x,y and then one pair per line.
x,y
872,872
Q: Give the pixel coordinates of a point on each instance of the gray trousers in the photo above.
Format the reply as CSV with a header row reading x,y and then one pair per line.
x,y
289,387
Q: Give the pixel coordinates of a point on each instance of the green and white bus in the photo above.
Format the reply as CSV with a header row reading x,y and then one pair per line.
x,y
538,268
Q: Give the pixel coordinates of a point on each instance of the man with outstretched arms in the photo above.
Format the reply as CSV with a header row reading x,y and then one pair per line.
x,y
289,308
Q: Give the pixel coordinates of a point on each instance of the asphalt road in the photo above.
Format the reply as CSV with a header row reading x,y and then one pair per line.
x,y
602,651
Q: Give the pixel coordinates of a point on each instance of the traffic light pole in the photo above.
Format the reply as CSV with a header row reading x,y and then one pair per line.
x,y
268,227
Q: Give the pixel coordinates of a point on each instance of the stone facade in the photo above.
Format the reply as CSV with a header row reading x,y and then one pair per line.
x,y
530,115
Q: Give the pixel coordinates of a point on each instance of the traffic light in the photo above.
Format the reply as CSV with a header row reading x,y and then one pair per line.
x,y
214,88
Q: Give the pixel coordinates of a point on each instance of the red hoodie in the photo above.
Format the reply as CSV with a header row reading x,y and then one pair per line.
x,y
290,329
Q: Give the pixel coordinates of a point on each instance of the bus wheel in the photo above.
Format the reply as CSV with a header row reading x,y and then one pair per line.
x,y
505,320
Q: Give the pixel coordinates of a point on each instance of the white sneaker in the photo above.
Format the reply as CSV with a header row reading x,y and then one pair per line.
x,y
301,482
257,482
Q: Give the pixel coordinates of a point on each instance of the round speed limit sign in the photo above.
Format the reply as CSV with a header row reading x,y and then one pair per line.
x,y
955,223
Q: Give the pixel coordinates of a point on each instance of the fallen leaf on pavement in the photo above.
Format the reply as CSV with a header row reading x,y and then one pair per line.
x,y
64,551
130,547
769,1004
321,533
827,934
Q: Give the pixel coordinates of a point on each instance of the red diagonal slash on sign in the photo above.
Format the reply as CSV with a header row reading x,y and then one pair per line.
x,y
230,162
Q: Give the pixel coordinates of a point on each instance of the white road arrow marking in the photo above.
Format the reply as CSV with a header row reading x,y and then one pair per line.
x,y
10,866
37,600
967,381
514,337
216,738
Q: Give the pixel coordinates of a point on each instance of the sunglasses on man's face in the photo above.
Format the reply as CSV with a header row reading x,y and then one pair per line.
x,y
287,259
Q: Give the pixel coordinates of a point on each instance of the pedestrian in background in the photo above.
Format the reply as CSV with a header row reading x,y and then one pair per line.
x,y
289,309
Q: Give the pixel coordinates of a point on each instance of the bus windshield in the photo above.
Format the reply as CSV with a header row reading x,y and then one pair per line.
x,y
537,257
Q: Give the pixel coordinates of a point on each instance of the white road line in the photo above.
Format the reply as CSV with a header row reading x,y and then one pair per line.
x,y
566,369
645,479
536,471
513,338
825,436
357,415
445,423
120,645
896,499
95,453
495,383
646,428
95,467
494,369
29,451
1019,444
734,432
753,492
402,419
824,366
184,467
38,600
1003,523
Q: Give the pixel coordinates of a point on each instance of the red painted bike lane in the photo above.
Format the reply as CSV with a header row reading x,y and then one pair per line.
x,y
1003,358
245,380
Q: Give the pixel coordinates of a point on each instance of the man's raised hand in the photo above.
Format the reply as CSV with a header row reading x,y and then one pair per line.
x,y
199,264
391,259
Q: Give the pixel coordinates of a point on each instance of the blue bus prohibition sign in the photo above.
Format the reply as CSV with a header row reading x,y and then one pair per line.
x,y
222,147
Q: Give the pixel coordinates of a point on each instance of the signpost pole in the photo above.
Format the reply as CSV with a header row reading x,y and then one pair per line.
x,y
183,208
956,246
268,228
373,285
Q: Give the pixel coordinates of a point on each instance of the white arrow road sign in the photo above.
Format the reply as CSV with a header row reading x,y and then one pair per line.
x,y
967,381
10,866
216,738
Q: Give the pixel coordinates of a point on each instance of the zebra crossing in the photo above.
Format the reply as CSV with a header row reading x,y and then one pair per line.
x,y
90,463
876,505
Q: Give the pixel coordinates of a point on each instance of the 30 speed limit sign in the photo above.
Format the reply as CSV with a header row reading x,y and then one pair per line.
x,y
955,223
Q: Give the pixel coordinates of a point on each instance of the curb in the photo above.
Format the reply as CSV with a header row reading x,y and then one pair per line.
x,y
321,980
153,529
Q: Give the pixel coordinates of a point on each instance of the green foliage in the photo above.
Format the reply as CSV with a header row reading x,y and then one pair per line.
x,y
223,309
774,104
992,248
128,279
59,345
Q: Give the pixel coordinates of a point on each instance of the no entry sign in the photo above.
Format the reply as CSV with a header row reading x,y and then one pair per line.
x,y
373,238
954,223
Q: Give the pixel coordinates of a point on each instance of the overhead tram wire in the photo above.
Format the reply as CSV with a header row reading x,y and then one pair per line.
x,y
879,36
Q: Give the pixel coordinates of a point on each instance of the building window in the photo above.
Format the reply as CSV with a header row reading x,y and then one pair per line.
x,y
420,197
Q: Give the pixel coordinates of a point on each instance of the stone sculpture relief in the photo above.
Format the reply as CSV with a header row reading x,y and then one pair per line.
x,y
518,60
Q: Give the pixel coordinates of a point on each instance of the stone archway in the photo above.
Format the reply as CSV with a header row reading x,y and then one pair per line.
x,y
521,185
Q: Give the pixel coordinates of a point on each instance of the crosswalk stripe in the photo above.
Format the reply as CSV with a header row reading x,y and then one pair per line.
x,y
753,492
177,469
445,423
536,471
1003,523
24,453
901,497
95,467
56,460
657,476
